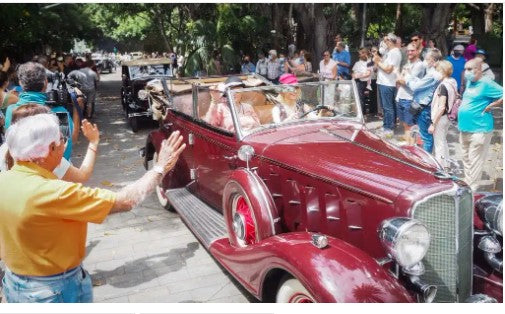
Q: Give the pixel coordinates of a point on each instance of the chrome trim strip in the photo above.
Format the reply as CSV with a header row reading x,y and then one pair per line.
x,y
355,227
333,218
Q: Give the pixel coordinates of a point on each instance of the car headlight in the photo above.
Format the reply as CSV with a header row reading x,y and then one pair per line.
x,y
490,210
406,240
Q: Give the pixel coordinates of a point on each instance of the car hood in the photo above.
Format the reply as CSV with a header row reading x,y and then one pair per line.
x,y
345,153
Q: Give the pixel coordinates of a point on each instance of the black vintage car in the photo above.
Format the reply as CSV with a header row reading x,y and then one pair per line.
x,y
104,63
135,75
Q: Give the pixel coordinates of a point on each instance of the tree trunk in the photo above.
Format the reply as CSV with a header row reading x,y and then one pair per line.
x,y
277,25
363,26
305,18
436,18
399,20
320,31
477,17
488,17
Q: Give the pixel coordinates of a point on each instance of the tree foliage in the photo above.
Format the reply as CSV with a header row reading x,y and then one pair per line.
x,y
33,28
207,32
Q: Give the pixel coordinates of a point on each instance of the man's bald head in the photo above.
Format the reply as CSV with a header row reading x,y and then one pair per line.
x,y
474,65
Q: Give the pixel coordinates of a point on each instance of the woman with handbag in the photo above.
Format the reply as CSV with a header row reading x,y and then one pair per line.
x,y
444,98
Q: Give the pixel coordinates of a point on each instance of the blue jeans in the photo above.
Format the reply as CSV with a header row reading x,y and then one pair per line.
x,y
424,121
403,109
73,286
387,95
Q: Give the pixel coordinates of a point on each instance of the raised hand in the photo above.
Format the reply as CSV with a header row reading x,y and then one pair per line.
x,y
91,132
170,150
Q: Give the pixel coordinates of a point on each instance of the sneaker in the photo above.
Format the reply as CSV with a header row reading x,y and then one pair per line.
x,y
388,134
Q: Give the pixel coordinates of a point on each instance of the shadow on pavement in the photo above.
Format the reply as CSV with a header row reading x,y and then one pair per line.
x,y
150,262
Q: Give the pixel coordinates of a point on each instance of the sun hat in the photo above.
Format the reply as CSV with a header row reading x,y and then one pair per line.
x,y
288,78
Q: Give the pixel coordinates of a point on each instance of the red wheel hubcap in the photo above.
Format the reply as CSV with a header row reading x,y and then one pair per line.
x,y
247,219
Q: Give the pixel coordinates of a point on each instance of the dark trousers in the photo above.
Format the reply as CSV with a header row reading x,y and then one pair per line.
x,y
363,99
373,98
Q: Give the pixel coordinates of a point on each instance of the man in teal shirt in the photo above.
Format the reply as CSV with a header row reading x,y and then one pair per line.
x,y
33,80
475,120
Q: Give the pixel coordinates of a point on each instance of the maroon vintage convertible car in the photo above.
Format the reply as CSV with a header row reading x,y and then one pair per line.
x,y
304,204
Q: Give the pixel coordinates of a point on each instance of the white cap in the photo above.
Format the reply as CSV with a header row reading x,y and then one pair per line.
x,y
273,52
459,48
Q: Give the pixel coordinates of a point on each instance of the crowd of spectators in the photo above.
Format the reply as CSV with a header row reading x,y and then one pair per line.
x,y
411,87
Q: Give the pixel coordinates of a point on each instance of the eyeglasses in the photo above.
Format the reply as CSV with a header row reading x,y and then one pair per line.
x,y
63,139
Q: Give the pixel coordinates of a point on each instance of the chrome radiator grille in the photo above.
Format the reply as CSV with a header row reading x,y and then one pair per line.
x,y
448,263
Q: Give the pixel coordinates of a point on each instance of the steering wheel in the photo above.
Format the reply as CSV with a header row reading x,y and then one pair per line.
x,y
318,108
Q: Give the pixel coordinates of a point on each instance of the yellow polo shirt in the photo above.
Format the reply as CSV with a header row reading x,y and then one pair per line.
x,y
43,220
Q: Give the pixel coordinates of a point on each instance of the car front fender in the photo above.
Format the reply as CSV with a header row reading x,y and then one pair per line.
x,y
339,272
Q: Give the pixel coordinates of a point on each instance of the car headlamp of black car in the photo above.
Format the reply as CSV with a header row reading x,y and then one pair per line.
x,y
490,210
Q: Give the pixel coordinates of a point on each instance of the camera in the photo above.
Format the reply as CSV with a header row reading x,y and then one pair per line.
x,y
60,94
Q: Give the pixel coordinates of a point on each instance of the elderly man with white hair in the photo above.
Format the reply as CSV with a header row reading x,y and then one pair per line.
x,y
475,120
43,220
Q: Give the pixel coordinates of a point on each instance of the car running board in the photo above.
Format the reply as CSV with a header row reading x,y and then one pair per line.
x,y
206,223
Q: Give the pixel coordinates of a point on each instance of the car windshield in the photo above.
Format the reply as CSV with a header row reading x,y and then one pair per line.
x,y
272,106
150,69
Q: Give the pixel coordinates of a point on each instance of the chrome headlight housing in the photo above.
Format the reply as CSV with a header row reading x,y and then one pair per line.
x,y
406,240
490,210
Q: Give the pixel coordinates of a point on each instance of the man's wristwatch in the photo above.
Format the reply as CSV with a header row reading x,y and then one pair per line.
x,y
158,169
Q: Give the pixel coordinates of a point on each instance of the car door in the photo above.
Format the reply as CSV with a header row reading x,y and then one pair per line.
x,y
215,151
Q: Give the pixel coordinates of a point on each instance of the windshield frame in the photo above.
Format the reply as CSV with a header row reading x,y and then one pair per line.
x,y
241,135
130,71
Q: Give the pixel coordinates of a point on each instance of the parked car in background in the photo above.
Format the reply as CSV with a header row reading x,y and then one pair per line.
x,y
104,63
136,55
316,208
135,75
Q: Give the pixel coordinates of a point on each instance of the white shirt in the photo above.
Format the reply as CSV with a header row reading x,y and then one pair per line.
x,y
486,71
360,67
326,69
394,58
